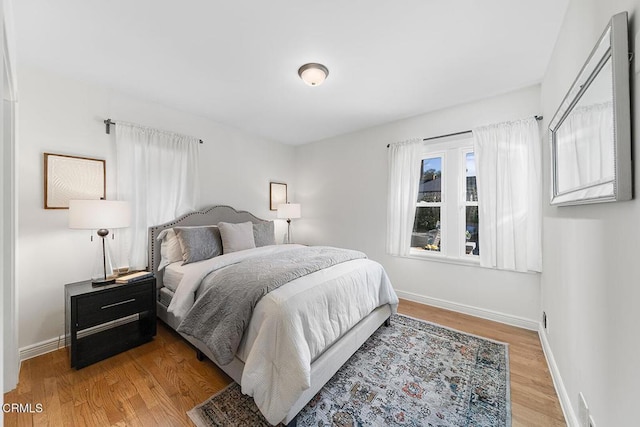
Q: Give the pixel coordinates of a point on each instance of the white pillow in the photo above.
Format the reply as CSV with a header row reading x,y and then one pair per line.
x,y
236,237
170,250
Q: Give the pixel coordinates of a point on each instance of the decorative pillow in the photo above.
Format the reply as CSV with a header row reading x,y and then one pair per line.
x,y
236,237
263,234
199,243
170,250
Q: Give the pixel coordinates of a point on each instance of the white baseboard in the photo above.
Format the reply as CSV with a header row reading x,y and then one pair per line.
x,y
561,391
41,348
508,319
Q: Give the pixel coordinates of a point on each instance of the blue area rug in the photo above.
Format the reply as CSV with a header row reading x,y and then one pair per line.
x,y
413,373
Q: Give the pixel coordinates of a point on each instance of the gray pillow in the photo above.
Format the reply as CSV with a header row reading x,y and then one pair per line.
x,y
263,234
236,237
199,243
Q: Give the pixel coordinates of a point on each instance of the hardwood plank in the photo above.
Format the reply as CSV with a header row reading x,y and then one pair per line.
x,y
142,411
143,383
101,397
52,401
154,384
38,388
24,378
83,416
523,416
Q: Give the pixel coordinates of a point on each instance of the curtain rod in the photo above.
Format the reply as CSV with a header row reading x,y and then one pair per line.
x,y
109,122
458,133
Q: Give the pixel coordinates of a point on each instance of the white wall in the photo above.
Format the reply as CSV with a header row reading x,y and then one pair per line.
x,y
63,116
342,186
590,275
8,320
5,198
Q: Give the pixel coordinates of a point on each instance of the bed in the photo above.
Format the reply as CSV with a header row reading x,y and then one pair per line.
x,y
356,295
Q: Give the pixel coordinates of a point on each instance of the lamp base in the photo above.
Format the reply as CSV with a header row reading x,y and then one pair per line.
x,y
102,274
102,282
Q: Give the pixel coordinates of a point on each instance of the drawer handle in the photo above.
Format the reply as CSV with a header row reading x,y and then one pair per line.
x,y
118,303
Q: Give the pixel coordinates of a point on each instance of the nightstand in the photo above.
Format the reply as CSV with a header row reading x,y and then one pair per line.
x,y
106,320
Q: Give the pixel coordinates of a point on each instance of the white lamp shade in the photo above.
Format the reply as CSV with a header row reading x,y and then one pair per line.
x,y
289,211
97,214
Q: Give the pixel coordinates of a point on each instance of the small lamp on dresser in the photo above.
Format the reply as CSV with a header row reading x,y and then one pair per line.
x,y
289,211
100,215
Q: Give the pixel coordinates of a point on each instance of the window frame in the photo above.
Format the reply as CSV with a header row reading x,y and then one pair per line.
x,y
453,202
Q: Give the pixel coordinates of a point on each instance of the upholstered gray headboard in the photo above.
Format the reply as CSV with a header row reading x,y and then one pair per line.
x,y
207,216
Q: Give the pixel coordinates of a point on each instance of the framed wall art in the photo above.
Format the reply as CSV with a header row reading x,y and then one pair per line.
x,y
71,177
277,195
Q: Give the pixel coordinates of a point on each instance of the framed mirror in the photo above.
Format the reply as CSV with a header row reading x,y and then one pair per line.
x,y
591,131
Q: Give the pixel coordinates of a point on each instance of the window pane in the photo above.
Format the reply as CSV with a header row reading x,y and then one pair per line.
x,y
430,189
472,189
472,246
426,229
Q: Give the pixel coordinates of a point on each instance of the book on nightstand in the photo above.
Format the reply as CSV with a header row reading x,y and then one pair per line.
x,y
134,277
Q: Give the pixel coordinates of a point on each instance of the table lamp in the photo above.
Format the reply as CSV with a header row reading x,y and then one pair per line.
x,y
100,215
289,211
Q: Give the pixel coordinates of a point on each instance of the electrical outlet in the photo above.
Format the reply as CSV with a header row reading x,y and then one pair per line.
x,y
583,411
591,422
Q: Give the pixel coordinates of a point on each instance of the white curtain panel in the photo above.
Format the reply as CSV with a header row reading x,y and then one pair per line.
x,y
158,175
402,194
509,193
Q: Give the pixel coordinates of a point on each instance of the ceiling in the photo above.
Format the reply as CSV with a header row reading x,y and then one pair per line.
x,y
236,62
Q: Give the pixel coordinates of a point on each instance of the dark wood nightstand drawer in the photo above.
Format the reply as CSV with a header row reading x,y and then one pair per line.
x,y
97,308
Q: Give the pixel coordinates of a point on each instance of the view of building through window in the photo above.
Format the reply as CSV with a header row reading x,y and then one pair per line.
x,y
426,227
434,208
472,245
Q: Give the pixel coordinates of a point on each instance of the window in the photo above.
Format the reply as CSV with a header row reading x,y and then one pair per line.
x,y
426,226
471,224
446,219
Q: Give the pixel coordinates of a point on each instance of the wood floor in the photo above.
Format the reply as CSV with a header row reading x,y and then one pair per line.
x,y
155,384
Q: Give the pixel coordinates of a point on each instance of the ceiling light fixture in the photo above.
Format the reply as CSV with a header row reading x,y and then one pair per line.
x,y
313,74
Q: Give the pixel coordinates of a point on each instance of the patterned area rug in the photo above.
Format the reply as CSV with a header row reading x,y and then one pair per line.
x,y
413,373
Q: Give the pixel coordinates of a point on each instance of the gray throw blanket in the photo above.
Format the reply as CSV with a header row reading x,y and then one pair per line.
x,y
222,313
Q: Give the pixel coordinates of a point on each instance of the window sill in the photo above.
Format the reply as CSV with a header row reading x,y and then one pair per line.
x,y
471,261
468,261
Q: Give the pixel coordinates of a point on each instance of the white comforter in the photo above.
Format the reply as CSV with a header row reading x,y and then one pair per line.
x,y
295,323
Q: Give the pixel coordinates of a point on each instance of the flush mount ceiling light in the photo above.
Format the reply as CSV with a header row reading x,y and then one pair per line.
x,y
313,74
